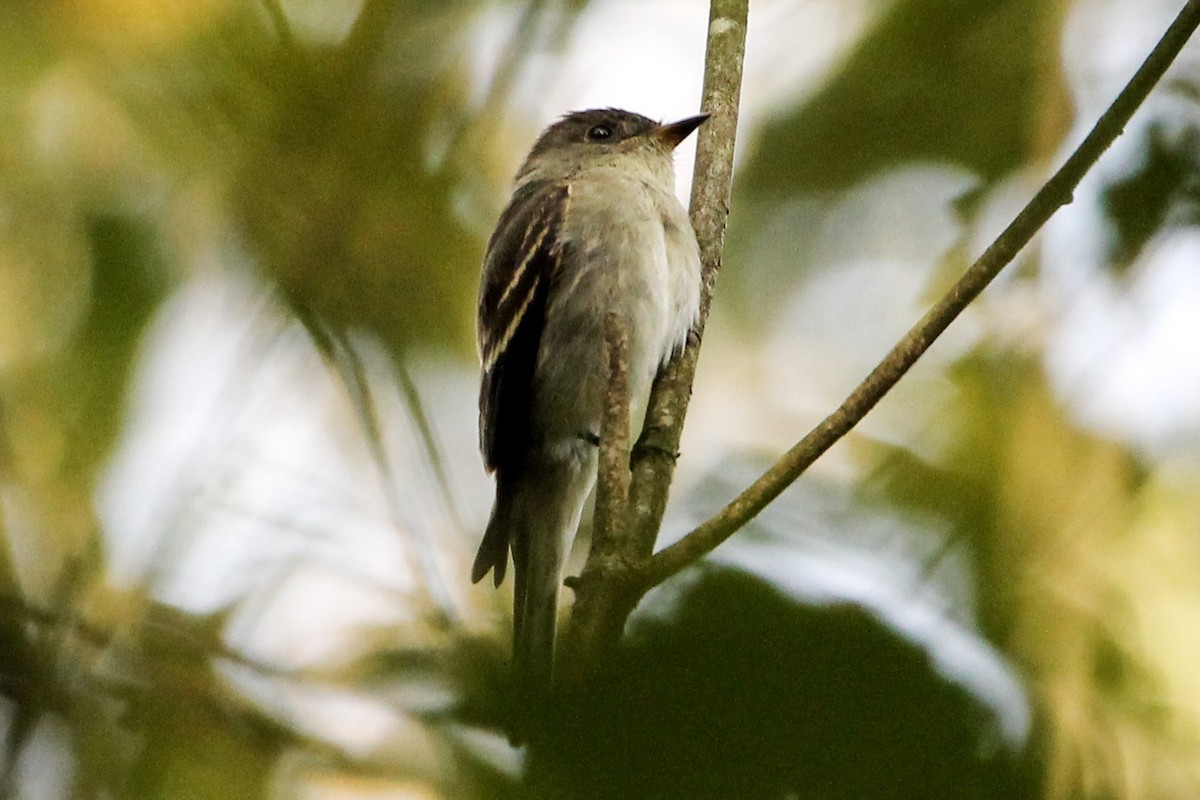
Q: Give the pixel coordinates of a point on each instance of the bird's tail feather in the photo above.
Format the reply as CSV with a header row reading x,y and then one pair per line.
x,y
493,550
537,570
535,515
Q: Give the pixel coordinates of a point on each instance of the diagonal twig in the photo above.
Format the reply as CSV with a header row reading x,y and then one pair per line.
x,y
1054,194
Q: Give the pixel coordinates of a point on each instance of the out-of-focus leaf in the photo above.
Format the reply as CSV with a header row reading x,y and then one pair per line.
x,y
965,81
1080,553
744,693
345,216
1166,189
127,283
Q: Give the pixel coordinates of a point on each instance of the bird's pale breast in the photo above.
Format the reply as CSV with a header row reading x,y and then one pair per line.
x,y
629,248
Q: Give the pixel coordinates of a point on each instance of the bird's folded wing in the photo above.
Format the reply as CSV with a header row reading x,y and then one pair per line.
x,y
522,261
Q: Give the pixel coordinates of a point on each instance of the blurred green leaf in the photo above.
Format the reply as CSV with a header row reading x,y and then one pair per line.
x,y
965,81
741,692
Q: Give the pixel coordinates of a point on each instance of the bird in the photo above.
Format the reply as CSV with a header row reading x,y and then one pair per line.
x,y
593,226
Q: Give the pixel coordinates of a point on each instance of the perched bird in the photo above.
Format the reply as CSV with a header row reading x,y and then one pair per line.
x,y
593,226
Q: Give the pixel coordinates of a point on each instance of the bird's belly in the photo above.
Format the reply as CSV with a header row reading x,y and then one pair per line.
x,y
642,264
571,376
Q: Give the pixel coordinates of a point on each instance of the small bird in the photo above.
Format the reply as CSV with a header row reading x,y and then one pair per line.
x,y
593,226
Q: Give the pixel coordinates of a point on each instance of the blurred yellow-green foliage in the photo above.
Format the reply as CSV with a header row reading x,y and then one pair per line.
x,y
231,572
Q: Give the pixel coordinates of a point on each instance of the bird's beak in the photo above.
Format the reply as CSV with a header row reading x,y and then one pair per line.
x,y
672,133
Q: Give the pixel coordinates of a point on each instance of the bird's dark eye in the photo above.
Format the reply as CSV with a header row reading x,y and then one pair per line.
x,y
599,132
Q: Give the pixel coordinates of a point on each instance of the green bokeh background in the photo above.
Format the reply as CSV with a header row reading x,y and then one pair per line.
x,y
355,177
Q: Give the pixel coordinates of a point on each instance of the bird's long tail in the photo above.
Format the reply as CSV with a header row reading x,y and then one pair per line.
x,y
535,515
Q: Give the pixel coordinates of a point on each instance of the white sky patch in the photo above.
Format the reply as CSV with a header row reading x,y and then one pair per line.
x,y
1105,41
1124,345
321,21
648,56
865,280
243,462
1128,358
360,726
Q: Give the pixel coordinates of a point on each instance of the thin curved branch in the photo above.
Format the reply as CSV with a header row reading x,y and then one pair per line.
x,y
1054,194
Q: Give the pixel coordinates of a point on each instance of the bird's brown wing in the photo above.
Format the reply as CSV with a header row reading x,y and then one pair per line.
x,y
522,260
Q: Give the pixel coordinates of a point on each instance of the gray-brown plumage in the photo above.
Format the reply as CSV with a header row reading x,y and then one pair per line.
x,y
593,225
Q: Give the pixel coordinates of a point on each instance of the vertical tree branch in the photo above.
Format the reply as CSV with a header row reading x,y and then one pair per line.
x,y
653,458
603,589
612,485
632,492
